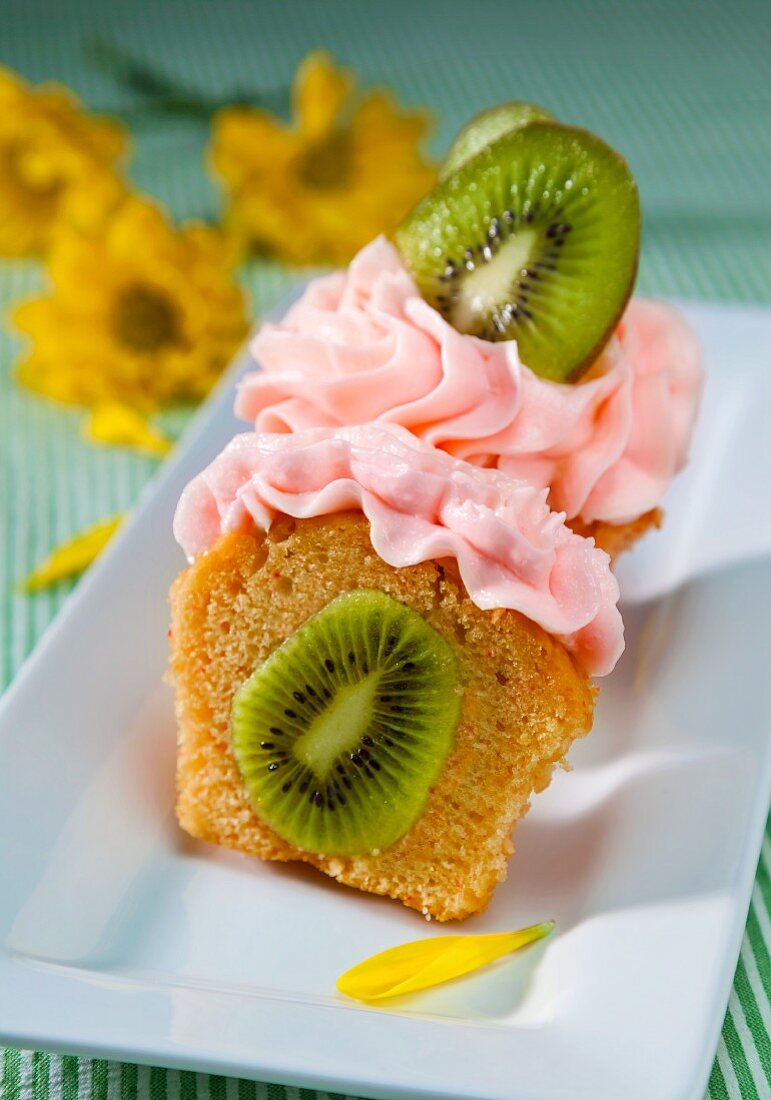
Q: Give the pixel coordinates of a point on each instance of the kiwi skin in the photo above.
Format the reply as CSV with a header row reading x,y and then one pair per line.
x,y
455,219
591,358
488,126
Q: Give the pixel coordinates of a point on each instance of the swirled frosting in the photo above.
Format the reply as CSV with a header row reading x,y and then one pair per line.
x,y
362,346
422,504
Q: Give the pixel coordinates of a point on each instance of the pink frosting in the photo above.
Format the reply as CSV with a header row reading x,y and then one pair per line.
x,y
363,346
422,504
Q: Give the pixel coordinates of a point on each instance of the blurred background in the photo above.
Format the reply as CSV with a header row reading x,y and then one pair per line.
x,y
682,89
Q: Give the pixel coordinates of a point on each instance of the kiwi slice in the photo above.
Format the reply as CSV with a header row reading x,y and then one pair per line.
x,y
340,734
534,239
488,126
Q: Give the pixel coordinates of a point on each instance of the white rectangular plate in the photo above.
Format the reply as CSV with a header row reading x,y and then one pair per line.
x,y
121,937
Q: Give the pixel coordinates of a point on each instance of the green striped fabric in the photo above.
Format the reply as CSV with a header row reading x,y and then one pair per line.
x,y
681,88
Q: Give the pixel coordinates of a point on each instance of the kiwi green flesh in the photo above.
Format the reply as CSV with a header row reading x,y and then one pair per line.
x,y
489,126
534,239
341,732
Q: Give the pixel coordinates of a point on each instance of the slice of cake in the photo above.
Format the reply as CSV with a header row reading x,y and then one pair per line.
x,y
379,654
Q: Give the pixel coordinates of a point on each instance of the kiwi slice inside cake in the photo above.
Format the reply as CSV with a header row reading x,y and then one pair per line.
x,y
488,126
342,731
535,239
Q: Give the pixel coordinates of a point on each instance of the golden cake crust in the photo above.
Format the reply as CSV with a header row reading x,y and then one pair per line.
x,y
524,703
617,538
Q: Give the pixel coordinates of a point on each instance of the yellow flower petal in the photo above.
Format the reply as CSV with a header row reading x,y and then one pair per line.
x,y
73,556
249,145
121,426
425,963
320,89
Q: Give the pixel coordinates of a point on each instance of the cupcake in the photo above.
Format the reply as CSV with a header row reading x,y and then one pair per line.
x,y
397,596
380,652
499,329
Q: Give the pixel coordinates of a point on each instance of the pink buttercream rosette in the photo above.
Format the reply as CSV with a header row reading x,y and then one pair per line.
x,y
362,346
422,504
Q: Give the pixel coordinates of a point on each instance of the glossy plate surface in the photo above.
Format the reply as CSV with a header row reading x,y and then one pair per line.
x,y
120,936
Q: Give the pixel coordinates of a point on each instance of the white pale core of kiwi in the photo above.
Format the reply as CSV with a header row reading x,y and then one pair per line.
x,y
339,728
482,290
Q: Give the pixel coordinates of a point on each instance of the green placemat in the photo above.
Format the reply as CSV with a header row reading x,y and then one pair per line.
x,y
681,88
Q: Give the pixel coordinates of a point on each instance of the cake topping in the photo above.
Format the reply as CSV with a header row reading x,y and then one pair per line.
x,y
488,126
534,238
363,346
422,505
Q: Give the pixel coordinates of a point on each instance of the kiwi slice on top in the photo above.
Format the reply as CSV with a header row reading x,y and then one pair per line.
x,y
341,733
535,238
488,126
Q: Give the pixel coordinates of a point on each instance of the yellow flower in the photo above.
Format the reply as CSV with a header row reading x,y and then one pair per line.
x,y
141,313
318,190
56,162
